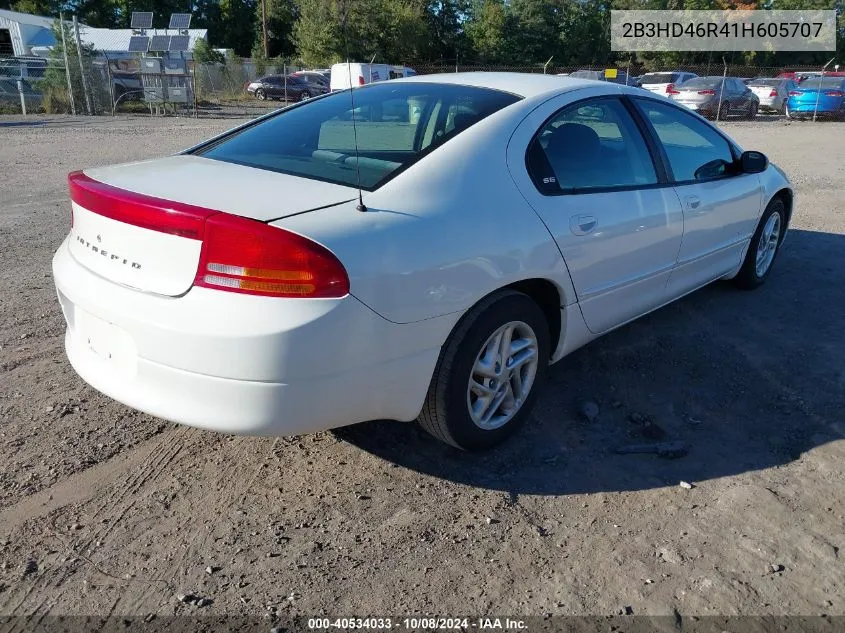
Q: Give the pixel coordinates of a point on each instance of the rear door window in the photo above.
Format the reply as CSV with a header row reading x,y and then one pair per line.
x,y
592,145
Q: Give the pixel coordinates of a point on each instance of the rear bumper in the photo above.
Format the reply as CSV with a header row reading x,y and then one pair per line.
x,y
824,107
243,364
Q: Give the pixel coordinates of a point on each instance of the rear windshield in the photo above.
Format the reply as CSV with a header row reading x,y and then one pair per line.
x,y
827,82
764,82
396,125
702,82
659,78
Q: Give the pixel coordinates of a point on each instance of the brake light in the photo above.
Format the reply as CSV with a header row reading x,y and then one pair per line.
x,y
795,93
360,80
670,90
707,92
237,254
243,255
835,93
773,93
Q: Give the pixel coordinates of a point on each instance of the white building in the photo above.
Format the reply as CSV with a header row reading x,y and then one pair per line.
x,y
20,32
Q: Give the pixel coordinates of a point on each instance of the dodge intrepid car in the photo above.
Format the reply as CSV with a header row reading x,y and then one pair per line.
x,y
421,249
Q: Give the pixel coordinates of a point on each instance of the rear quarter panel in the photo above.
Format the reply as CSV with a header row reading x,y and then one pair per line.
x,y
443,234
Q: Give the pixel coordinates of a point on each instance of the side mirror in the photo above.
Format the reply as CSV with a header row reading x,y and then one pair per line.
x,y
715,168
753,162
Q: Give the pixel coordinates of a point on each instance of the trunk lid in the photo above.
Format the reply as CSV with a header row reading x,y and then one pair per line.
x,y
141,224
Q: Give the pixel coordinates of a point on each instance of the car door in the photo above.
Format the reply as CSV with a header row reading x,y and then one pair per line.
x,y
720,207
587,171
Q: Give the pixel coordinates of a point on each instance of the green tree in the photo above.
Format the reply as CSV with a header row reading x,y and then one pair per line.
x,y
487,29
205,54
281,17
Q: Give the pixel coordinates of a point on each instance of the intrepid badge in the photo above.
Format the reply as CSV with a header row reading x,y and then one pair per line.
x,y
110,256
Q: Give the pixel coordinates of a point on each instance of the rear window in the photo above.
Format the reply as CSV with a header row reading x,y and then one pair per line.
x,y
764,82
659,78
827,82
702,82
396,125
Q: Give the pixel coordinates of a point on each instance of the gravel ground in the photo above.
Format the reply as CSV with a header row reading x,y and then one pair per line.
x,y
107,511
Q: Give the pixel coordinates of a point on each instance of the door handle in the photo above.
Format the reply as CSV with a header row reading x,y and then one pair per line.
x,y
692,202
582,224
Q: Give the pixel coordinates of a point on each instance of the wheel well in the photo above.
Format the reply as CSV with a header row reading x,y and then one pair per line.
x,y
547,296
786,196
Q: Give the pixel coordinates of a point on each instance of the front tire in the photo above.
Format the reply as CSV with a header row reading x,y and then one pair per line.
x,y
485,382
764,246
260,95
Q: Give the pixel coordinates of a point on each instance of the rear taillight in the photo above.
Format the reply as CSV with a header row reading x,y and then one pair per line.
x,y
773,93
706,92
670,90
835,93
238,254
147,212
795,93
243,255
360,80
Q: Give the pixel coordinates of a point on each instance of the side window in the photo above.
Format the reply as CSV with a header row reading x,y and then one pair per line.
x,y
691,145
590,145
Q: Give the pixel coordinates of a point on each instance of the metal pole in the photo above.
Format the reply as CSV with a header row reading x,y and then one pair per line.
x,y
264,27
546,65
67,66
23,100
194,88
722,90
111,85
81,67
285,70
819,91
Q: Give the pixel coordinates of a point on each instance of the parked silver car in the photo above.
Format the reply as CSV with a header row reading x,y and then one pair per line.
x,y
711,95
772,93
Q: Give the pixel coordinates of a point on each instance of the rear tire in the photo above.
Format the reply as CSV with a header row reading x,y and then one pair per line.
x,y
455,410
764,247
752,111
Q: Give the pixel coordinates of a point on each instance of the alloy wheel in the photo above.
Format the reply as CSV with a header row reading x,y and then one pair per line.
x,y
503,375
768,244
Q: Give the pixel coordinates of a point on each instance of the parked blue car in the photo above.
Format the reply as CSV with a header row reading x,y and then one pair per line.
x,y
828,92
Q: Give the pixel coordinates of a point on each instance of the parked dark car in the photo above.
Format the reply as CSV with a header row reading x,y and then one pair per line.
x,y
290,87
10,96
317,80
709,95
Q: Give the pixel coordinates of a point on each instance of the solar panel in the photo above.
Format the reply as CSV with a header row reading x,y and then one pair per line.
x,y
141,20
179,42
139,44
180,21
159,42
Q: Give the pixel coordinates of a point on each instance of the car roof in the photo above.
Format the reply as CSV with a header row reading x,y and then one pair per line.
x,y
522,84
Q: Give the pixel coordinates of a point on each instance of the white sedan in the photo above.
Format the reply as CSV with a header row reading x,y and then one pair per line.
x,y
423,254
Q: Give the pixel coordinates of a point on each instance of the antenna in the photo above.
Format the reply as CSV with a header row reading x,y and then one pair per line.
x,y
361,206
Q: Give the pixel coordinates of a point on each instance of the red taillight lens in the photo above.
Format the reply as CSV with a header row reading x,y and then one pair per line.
x,y
773,93
243,255
360,80
147,212
835,93
795,93
670,90
238,254
706,92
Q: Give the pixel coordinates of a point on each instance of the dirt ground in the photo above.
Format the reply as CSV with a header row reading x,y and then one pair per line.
x,y
107,511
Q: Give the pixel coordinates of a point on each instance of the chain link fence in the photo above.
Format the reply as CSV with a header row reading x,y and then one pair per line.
x,y
96,85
